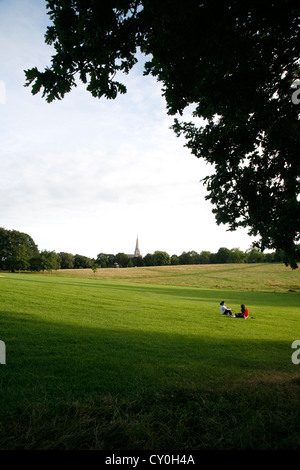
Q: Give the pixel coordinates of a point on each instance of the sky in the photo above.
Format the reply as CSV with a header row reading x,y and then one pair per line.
x,y
87,176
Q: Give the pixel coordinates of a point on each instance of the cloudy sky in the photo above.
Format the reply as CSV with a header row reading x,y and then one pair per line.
x,y
87,176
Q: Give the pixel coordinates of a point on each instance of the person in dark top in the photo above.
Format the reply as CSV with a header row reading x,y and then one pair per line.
x,y
244,313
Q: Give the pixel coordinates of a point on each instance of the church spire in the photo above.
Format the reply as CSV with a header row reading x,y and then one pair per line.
x,y
137,249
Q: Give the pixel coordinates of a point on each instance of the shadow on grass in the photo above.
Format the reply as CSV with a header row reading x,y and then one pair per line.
x,y
257,299
71,387
60,359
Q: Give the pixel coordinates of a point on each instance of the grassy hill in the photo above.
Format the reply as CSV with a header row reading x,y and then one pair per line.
x,y
258,277
142,359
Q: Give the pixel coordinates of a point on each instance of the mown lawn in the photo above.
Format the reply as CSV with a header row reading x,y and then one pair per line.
x,y
114,364
246,277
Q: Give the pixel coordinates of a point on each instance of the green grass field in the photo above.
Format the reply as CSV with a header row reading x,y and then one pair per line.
x,y
142,359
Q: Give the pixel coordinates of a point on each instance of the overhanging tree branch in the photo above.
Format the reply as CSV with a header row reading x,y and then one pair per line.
x,y
234,60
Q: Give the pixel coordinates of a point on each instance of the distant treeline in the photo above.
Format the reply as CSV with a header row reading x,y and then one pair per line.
x,y
18,252
161,258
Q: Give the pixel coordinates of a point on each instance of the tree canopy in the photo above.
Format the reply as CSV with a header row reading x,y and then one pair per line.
x,y
234,62
17,249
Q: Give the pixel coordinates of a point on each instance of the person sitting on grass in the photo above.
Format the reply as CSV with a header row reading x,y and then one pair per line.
x,y
225,310
244,312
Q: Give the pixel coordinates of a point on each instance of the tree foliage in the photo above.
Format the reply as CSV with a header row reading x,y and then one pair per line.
x,y
161,258
66,260
82,262
122,260
17,249
234,62
49,260
105,260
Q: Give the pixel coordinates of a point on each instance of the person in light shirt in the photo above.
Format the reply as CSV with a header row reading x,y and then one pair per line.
x,y
225,310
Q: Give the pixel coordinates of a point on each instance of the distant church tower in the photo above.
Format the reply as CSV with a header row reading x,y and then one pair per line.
x,y
137,249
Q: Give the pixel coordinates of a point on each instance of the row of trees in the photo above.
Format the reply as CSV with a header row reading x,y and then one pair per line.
x,y
18,252
161,258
